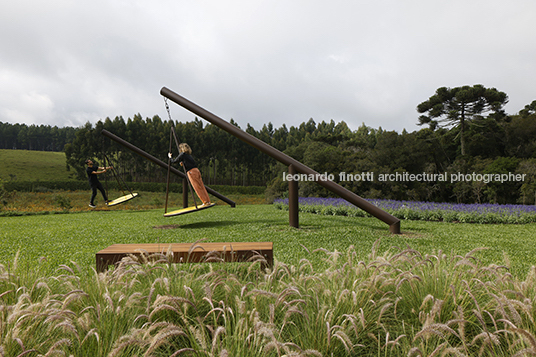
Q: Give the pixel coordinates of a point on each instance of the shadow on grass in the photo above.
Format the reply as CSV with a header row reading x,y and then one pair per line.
x,y
206,224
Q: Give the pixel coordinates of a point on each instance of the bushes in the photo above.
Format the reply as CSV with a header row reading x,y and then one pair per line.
x,y
47,186
486,213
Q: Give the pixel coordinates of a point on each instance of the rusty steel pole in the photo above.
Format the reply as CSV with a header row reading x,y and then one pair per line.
x,y
293,207
161,163
185,192
392,221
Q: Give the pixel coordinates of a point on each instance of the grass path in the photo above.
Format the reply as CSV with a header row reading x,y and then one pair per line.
x,y
78,236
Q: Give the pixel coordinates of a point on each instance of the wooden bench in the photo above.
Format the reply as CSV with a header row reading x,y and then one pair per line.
x,y
187,252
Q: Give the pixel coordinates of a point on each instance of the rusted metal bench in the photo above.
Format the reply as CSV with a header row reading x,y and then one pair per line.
x,y
188,252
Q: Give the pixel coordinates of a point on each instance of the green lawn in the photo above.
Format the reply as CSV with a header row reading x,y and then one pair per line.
x,y
25,165
78,236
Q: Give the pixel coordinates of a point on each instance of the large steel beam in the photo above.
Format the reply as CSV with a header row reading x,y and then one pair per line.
x,y
392,221
161,163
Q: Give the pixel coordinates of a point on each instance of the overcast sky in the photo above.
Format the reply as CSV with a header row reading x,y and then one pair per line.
x,y
67,62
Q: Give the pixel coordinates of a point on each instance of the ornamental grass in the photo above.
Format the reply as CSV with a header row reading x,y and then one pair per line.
x,y
396,303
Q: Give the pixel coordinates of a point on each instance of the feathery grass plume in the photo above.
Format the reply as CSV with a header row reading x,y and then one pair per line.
x,y
215,338
27,352
257,259
415,352
393,343
306,267
54,348
489,342
408,255
68,269
177,300
216,313
73,296
67,328
39,284
208,293
529,284
109,301
258,292
198,334
92,332
281,298
134,300
352,321
195,245
5,293
293,310
20,308
344,340
454,351
149,299
527,337
159,282
160,308
437,330
511,306
189,291
460,321
406,277
181,351
133,340
163,336
141,317
214,257
470,256
142,258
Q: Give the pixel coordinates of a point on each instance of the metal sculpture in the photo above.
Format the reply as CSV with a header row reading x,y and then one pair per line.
x,y
294,165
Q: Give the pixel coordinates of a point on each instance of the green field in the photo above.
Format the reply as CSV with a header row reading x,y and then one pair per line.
x,y
78,236
25,165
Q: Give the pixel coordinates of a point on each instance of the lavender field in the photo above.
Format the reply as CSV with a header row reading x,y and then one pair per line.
x,y
427,211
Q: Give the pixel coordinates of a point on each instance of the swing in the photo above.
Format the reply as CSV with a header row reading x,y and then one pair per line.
x,y
126,197
187,210
195,207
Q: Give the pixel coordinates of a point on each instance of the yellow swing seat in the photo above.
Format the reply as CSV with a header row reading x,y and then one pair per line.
x,y
188,210
122,199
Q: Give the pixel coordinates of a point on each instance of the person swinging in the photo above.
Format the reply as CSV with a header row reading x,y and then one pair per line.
x,y
94,183
194,175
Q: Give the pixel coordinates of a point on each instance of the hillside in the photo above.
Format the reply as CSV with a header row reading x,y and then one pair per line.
x,y
25,165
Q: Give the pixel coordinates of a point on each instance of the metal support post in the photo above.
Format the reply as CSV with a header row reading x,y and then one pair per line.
x,y
293,205
184,192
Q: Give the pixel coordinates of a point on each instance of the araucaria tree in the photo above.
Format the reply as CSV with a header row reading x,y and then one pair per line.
x,y
457,107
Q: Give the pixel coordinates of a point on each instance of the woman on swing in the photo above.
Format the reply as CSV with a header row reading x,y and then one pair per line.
x,y
194,175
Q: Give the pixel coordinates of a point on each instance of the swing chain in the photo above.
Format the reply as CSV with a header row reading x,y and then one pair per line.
x,y
167,109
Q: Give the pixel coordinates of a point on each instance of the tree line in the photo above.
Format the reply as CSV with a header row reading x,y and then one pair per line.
x,y
35,137
467,132
222,158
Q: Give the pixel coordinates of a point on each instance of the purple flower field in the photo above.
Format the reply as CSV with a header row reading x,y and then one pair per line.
x,y
471,213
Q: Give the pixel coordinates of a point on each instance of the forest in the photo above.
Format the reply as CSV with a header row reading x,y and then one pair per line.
x,y
35,137
492,144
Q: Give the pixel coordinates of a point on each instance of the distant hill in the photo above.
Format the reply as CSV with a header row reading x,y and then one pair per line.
x,y
26,165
